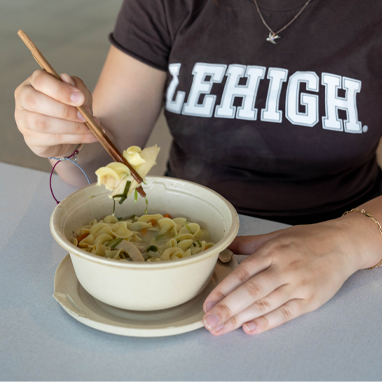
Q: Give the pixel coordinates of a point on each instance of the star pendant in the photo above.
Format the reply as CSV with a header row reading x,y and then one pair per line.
x,y
272,37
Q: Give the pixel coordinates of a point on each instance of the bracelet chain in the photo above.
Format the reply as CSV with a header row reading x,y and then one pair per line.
x,y
377,223
76,151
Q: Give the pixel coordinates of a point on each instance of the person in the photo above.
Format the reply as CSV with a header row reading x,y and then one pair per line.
x,y
274,104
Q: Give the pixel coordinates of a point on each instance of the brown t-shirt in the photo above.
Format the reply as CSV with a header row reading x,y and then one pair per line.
x,y
284,131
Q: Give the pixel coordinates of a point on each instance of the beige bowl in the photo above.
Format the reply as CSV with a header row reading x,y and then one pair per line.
x,y
146,286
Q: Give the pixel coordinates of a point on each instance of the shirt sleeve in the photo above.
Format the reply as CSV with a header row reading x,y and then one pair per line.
x,y
142,32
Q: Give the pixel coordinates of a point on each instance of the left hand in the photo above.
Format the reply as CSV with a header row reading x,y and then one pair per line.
x,y
287,273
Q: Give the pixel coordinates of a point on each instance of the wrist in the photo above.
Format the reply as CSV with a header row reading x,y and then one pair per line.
x,y
64,154
363,239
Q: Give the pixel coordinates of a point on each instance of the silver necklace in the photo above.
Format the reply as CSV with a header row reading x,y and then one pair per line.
x,y
274,35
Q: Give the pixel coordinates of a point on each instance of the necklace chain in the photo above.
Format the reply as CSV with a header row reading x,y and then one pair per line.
x,y
273,35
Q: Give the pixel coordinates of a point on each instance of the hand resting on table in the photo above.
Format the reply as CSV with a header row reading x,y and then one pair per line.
x,y
289,273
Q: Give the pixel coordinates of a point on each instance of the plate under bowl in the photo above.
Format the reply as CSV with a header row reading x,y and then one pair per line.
x,y
94,313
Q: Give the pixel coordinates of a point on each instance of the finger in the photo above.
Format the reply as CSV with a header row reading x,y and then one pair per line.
x,y
290,310
241,298
49,125
79,84
66,78
260,307
246,245
246,270
41,140
56,89
34,101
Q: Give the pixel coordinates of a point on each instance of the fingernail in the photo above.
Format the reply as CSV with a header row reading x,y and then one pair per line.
x,y
66,78
211,321
77,98
88,110
210,305
97,120
80,116
251,326
219,328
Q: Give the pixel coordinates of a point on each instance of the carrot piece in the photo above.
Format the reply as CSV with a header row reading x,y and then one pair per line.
x,y
82,237
144,231
153,222
167,216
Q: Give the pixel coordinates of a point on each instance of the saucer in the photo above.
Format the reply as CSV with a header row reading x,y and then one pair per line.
x,y
98,315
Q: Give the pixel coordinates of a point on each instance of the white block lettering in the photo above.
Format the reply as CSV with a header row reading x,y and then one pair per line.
x,y
348,103
271,113
232,89
176,105
310,101
201,86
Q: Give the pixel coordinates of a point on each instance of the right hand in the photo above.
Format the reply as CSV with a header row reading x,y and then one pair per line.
x,y
47,117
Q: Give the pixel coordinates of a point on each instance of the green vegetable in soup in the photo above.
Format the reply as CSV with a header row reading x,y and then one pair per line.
x,y
113,243
135,196
123,196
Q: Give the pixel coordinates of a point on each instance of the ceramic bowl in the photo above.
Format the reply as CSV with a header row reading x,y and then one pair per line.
x,y
146,286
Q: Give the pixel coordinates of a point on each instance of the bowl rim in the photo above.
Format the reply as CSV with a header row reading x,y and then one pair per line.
x,y
211,252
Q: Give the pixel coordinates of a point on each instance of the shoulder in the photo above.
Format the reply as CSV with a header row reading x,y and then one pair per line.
x,y
179,12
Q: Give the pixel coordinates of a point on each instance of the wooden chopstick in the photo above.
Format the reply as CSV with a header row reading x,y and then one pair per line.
x,y
90,122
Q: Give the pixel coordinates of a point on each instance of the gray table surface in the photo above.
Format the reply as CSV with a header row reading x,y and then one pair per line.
x,y
39,341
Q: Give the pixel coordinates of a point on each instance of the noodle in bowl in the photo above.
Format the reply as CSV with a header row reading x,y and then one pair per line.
x,y
155,285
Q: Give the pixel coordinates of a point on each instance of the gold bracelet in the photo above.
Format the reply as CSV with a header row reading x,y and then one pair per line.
x,y
376,223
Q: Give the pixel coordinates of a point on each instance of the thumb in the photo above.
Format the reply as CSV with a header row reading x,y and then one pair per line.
x,y
246,245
